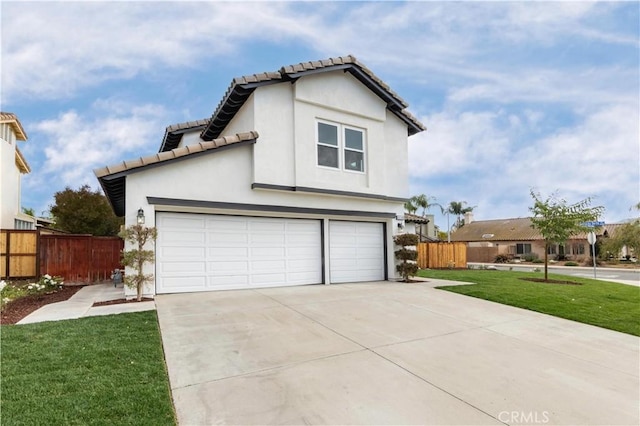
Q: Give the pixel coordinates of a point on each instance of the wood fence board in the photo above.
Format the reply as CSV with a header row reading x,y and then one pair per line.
x,y
76,258
442,255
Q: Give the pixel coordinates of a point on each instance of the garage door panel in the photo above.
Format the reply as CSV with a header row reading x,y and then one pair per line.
x,y
228,267
182,222
182,267
356,251
231,252
179,252
227,239
268,252
192,283
241,252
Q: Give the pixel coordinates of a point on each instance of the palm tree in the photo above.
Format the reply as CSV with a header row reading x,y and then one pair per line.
x,y
417,201
458,209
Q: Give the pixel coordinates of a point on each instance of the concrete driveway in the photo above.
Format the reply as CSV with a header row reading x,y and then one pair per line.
x,y
389,353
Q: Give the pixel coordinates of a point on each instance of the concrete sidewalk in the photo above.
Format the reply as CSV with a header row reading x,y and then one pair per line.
x,y
80,305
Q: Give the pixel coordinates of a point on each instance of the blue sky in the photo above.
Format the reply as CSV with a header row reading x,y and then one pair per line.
x,y
515,95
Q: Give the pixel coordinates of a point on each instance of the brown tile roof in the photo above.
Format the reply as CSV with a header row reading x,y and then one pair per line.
x,y
518,229
242,87
173,134
21,162
113,178
11,119
175,153
414,218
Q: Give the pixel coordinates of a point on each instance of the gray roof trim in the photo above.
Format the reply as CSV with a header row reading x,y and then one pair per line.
x,y
265,208
326,192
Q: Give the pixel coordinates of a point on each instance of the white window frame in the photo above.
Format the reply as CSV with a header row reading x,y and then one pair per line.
x,y
341,147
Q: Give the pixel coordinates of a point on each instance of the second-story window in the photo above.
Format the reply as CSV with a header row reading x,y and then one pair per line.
x,y
340,146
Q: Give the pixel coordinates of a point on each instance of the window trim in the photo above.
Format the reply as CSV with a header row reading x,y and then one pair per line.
x,y
342,146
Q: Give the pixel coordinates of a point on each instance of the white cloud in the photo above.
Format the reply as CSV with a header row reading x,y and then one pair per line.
x,y
76,143
51,50
479,157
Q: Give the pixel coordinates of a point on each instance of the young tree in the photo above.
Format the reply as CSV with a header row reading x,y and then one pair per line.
x,y
84,211
29,211
135,258
557,221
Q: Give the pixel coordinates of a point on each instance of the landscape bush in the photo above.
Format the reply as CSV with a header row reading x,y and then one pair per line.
x,y
502,258
571,263
530,257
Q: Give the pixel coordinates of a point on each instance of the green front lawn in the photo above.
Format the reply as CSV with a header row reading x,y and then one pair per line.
x,y
105,370
605,304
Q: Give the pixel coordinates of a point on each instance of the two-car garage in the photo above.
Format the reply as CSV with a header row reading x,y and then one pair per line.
x,y
205,252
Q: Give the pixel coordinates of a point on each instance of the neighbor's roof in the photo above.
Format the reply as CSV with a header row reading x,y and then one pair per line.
x,y
518,229
11,119
112,178
414,218
21,163
242,87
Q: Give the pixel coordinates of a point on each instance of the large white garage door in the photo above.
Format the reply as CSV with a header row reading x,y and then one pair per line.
x,y
197,252
356,251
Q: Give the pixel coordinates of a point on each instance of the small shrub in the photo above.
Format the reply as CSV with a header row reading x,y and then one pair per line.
x,y
9,292
537,261
530,257
571,263
408,267
502,258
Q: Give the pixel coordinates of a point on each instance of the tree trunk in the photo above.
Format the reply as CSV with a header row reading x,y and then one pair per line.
x,y
546,261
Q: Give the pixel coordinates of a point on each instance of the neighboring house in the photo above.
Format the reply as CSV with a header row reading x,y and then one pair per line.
x,y
422,226
299,177
517,238
12,166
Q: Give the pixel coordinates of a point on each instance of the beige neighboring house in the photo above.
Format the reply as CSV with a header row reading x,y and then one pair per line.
x,y
12,166
422,226
517,238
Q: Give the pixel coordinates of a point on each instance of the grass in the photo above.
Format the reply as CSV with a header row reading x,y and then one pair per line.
x,y
601,303
105,370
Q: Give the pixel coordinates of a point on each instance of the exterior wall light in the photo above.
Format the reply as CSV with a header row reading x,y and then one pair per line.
x,y
140,216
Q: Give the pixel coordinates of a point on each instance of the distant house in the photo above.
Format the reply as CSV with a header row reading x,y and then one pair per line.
x,y
422,226
12,166
517,238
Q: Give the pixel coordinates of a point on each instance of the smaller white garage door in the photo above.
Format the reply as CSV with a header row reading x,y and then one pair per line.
x,y
199,252
356,251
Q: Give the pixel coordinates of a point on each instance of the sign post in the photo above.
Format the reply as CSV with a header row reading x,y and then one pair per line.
x,y
591,237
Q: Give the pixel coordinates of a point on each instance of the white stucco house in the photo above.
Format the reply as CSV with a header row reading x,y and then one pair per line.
x,y
12,166
299,177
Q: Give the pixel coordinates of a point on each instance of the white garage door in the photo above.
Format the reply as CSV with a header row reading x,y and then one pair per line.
x,y
356,251
197,252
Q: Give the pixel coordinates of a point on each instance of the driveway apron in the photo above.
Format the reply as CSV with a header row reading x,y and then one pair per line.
x,y
389,353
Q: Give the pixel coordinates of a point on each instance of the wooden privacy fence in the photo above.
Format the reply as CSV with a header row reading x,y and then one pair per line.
x,y
18,253
76,258
482,254
442,255
80,258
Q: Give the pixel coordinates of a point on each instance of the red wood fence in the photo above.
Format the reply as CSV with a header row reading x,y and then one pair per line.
x,y
80,258
76,258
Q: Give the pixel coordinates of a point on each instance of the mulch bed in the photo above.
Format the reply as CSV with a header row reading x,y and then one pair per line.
x,y
20,308
542,280
119,301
